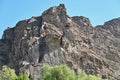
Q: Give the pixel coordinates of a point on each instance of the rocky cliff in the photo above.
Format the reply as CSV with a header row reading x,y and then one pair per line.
x,y
55,38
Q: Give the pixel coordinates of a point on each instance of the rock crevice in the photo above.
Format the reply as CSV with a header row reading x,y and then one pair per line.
x,y
55,38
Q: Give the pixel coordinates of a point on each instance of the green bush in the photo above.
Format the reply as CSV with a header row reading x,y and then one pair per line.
x,y
23,76
7,74
84,76
61,72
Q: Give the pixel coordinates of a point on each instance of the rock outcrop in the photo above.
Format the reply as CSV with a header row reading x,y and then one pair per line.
x,y
55,38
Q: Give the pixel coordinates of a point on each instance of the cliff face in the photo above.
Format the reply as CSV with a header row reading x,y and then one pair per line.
x,y
55,38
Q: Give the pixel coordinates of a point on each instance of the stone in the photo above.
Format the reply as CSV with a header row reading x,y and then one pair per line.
x,y
54,38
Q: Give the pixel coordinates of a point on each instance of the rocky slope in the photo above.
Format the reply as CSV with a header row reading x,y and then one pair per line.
x,y
55,38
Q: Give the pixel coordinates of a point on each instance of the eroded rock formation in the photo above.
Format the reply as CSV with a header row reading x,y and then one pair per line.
x,y
55,38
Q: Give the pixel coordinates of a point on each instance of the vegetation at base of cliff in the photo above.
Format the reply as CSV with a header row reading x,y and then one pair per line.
x,y
22,76
9,74
60,72
63,72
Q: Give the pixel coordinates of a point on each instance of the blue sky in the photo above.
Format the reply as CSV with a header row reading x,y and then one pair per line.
x,y
98,11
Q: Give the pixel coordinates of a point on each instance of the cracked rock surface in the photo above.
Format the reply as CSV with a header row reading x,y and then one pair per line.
x,y
55,38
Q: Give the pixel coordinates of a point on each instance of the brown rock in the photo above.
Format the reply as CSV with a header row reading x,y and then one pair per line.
x,y
55,38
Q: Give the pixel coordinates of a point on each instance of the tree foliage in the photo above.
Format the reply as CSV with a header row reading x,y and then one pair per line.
x,y
84,76
62,72
23,76
7,74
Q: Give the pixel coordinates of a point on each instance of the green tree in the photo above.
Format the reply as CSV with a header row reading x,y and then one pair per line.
x,y
7,74
23,76
61,72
